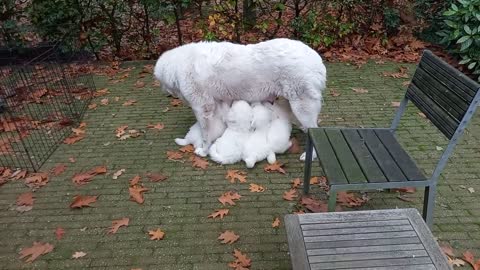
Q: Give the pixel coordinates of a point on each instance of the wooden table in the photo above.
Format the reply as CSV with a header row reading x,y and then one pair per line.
x,y
378,239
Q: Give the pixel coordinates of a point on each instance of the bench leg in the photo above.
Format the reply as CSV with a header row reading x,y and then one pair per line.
x,y
308,166
429,204
332,201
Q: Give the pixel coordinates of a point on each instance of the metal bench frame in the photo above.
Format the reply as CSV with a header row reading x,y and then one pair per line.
x,y
433,80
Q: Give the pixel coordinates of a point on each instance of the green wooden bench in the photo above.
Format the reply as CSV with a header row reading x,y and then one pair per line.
x,y
372,158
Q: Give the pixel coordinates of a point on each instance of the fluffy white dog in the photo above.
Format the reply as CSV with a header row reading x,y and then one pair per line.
x,y
194,135
229,147
205,73
257,147
278,135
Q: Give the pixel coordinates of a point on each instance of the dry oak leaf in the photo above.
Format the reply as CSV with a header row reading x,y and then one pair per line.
x,y
198,162
20,174
80,201
447,250
139,84
276,223
350,200
78,131
116,224
229,197
296,183
219,213
334,93
359,90
313,205
275,167
136,193
290,195
80,179
174,155
294,147
156,177
468,257
73,139
135,180
101,92
129,102
156,234
36,180
72,160
59,232
78,254
187,149
120,131
35,251
92,106
456,262
241,262
175,102
158,126
233,175
104,101
118,174
228,237
256,188
58,169
25,199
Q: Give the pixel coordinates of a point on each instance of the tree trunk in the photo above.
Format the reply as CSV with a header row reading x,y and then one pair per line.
x,y
249,14
177,22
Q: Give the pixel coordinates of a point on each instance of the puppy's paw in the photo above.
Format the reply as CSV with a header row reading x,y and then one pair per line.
x,y
249,163
201,152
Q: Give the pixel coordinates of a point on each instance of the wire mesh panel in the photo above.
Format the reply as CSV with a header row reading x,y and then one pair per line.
x,y
43,94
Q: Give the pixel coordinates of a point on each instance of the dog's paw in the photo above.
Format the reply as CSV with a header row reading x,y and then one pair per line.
x,y
304,156
181,142
201,152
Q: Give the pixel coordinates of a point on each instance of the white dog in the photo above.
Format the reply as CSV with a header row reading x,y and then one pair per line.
x,y
257,147
229,147
206,73
280,129
194,135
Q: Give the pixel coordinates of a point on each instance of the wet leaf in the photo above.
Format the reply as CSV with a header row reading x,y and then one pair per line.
x,y
315,206
80,201
92,106
135,180
350,200
121,130
104,101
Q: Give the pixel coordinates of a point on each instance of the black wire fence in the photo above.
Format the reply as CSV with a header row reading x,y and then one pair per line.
x,y
44,93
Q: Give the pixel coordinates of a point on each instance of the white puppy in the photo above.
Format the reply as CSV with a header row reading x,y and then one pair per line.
x,y
208,72
194,135
278,136
257,147
229,147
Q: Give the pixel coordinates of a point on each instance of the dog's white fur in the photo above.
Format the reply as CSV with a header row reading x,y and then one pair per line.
x,y
229,147
278,135
205,73
194,135
257,147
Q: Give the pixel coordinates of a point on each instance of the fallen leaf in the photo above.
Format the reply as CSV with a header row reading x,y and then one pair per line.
x,y
334,93
229,197
276,223
295,147
26,199
59,232
120,131
198,162
80,201
101,92
35,251
405,189
290,195
219,213
136,193
92,106
158,126
175,102
116,224
395,104
187,149
72,160
78,254
129,102
78,131
241,261
118,174
36,180
456,262
405,198
22,208
275,167
73,139
174,155
156,234
81,179
58,169
296,183
313,205
350,200
135,180
139,84
156,177
447,250
471,190
19,174
314,181
233,175
256,188
228,237
359,90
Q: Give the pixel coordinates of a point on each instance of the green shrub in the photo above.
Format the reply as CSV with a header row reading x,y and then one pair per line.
x,y
461,33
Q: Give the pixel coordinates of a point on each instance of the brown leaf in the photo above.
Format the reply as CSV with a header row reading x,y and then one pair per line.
x,y
447,250
256,188
116,224
78,131
198,162
334,93
36,180
405,198
228,237
468,257
104,101
118,174
135,180
92,106
156,177
405,189
313,205
156,234
187,149
136,193
395,104
456,262
295,147
350,200
80,201
59,232
58,169
72,160
174,155
359,90
20,174
276,223
101,92
290,195
219,213
296,183
120,131
129,102
25,199
35,251
158,126
176,102
80,179
73,139
233,175
241,261
229,197
275,167
139,84
78,254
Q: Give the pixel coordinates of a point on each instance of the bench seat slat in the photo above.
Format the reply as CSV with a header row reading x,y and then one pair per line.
x,y
359,236
384,255
320,232
353,224
370,263
362,243
379,248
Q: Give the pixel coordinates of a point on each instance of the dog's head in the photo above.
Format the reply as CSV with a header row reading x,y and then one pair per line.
x,y
262,116
240,116
165,72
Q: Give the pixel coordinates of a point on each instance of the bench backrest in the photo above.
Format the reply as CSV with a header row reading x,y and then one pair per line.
x,y
441,92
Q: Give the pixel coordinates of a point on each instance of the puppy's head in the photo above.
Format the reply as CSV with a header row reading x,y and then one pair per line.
x,y
240,116
262,116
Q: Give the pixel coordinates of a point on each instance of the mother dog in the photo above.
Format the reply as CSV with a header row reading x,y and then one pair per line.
x,y
207,73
